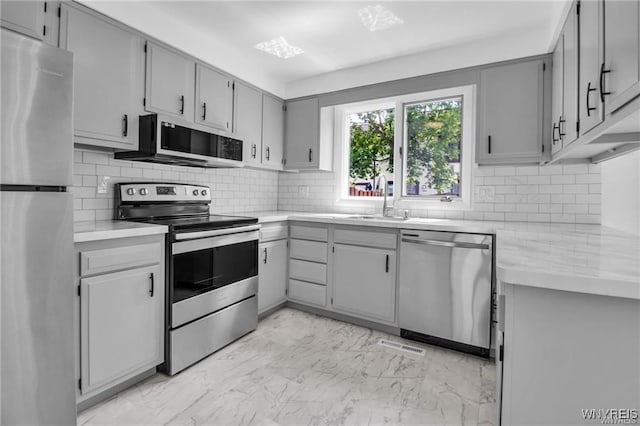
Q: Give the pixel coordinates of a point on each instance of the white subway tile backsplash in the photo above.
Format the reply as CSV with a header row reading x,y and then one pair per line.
x,y
505,171
563,179
237,191
528,170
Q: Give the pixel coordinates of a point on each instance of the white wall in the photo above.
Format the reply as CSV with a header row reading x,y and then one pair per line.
x,y
621,193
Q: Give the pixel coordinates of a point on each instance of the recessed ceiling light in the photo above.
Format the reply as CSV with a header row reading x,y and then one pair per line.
x,y
279,47
378,17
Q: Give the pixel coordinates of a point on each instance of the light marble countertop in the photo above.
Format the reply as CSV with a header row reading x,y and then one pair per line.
x,y
110,229
589,259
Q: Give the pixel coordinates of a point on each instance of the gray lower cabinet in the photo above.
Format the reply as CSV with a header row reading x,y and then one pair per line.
x,y
272,266
308,264
364,282
108,87
511,113
557,363
364,273
120,311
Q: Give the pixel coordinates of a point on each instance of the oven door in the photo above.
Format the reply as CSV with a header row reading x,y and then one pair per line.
x,y
211,270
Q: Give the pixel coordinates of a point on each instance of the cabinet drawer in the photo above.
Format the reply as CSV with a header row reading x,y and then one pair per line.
x,y
366,238
119,258
308,250
308,271
308,233
274,231
308,293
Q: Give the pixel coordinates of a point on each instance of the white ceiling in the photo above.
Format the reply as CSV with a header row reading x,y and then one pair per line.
x,y
339,51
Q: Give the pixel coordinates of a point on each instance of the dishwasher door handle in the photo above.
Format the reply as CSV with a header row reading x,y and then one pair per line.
x,y
454,244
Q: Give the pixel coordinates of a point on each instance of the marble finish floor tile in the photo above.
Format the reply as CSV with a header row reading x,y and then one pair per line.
x,y
302,369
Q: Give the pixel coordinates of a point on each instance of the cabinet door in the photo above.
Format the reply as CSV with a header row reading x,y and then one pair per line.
x,y
591,45
568,125
25,17
272,273
214,105
302,134
511,113
107,79
121,325
169,83
248,122
621,50
364,282
557,95
272,132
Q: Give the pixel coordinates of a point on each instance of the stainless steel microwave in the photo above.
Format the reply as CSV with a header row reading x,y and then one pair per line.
x,y
163,141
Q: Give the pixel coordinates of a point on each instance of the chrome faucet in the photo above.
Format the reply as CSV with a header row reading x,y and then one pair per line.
x,y
385,208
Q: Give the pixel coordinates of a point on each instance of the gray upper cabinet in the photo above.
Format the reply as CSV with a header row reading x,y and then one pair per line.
x,y
25,17
557,94
107,79
214,98
37,19
591,48
302,134
564,115
511,116
272,132
169,82
248,122
621,69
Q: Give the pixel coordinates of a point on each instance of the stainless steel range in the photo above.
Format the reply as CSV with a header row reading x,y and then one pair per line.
x,y
211,268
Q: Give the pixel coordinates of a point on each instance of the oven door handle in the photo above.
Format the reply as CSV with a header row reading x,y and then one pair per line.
x,y
214,233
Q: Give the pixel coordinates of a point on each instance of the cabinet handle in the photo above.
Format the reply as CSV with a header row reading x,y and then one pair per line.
x,y
151,288
268,153
253,150
125,123
489,145
265,255
310,155
553,133
387,264
182,104
561,121
589,90
602,73
204,110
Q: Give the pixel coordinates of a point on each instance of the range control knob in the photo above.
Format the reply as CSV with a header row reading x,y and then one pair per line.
x,y
131,191
203,192
195,192
144,191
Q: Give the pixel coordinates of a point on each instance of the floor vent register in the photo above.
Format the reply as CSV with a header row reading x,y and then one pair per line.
x,y
402,347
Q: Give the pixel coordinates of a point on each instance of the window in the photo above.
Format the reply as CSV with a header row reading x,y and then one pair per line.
x,y
422,144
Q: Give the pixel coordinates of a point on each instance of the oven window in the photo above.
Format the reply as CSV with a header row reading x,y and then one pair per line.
x,y
201,271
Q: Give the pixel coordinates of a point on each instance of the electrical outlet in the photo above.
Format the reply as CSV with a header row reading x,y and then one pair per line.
x,y
303,191
486,194
103,185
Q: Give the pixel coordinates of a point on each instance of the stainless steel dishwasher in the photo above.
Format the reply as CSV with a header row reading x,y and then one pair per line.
x,y
446,289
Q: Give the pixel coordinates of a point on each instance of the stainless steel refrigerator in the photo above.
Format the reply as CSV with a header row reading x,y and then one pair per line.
x,y
36,219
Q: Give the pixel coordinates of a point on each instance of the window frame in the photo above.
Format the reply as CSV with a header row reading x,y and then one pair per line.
x,y
468,93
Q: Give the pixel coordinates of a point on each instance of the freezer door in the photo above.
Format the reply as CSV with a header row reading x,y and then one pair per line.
x,y
37,104
36,230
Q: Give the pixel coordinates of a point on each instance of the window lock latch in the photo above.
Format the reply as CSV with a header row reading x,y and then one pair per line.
x,y
446,199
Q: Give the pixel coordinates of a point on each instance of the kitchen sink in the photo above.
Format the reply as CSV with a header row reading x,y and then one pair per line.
x,y
375,217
